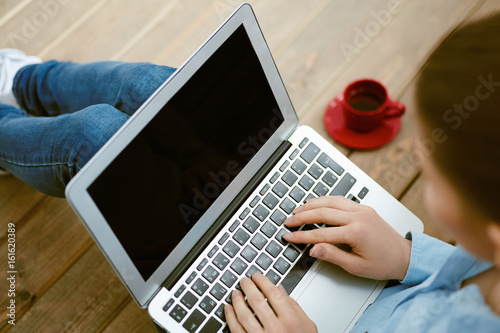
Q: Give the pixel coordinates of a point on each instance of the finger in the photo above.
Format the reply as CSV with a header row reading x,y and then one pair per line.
x,y
320,235
330,216
274,295
232,321
337,202
349,261
257,301
245,317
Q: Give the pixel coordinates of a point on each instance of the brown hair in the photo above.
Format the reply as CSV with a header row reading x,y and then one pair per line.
x,y
458,92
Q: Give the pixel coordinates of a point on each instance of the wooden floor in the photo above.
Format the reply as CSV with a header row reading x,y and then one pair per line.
x,y
64,283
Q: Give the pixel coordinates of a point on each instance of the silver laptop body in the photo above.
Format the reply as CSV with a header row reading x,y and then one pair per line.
x,y
191,193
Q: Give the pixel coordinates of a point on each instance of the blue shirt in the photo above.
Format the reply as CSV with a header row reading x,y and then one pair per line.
x,y
430,299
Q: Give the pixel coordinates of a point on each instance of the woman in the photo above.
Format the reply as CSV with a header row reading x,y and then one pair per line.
x,y
442,288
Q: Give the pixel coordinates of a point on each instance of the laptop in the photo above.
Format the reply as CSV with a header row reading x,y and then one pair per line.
x,y
190,195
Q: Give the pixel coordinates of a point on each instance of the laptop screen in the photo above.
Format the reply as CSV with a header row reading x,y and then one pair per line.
x,y
160,185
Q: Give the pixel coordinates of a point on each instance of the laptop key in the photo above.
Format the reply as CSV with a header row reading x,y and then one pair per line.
x,y
191,278
363,193
315,171
194,321
264,189
299,167
261,213
353,198
310,196
268,229
297,194
291,254
289,178
345,184
244,213
294,154
303,142
249,253
189,300
284,165
287,205
259,241
274,249
280,189
220,261
178,313
207,304
279,236
218,291
239,266
213,251
199,287
274,177
234,226
329,178
310,153
229,279
212,326
264,261
202,264
320,189
252,270
220,312
273,276
251,224
180,291
169,304
327,162
270,201
241,236
306,182
210,274
254,201
231,249
282,265
278,217
223,238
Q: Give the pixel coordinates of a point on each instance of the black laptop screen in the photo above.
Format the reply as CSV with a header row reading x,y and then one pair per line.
x,y
158,187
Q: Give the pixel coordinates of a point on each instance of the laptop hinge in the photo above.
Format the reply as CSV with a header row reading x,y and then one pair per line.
x,y
226,215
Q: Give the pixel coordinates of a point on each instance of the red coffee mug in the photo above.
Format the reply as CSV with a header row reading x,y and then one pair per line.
x,y
365,104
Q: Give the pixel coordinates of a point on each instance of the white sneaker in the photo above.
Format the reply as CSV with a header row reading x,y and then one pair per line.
x,y
11,61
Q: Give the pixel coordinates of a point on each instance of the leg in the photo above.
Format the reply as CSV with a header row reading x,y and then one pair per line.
x,y
46,152
53,88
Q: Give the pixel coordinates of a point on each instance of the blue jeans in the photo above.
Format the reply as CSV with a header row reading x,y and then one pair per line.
x,y
69,111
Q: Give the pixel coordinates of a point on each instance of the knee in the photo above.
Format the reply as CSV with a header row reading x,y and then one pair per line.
x,y
90,129
139,82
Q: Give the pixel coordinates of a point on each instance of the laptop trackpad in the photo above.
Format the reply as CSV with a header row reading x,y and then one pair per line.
x,y
331,297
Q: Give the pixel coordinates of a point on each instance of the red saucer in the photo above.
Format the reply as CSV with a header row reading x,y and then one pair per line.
x,y
334,120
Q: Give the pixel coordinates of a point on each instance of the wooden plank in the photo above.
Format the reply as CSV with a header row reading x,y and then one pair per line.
x,y
84,299
103,33
47,244
131,319
16,200
39,23
9,9
406,56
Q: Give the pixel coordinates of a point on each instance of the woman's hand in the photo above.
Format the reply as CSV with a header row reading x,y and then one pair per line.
x,y
378,251
284,316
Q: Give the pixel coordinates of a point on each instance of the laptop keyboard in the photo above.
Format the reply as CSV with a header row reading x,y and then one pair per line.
x,y
253,242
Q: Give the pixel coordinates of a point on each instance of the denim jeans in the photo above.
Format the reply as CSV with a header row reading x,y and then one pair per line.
x,y
69,111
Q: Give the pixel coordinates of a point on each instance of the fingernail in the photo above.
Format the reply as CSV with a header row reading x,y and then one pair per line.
x,y
228,308
288,235
236,293
316,252
256,275
298,209
289,220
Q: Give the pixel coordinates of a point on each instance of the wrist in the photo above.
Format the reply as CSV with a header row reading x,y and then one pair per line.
x,y
404,258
